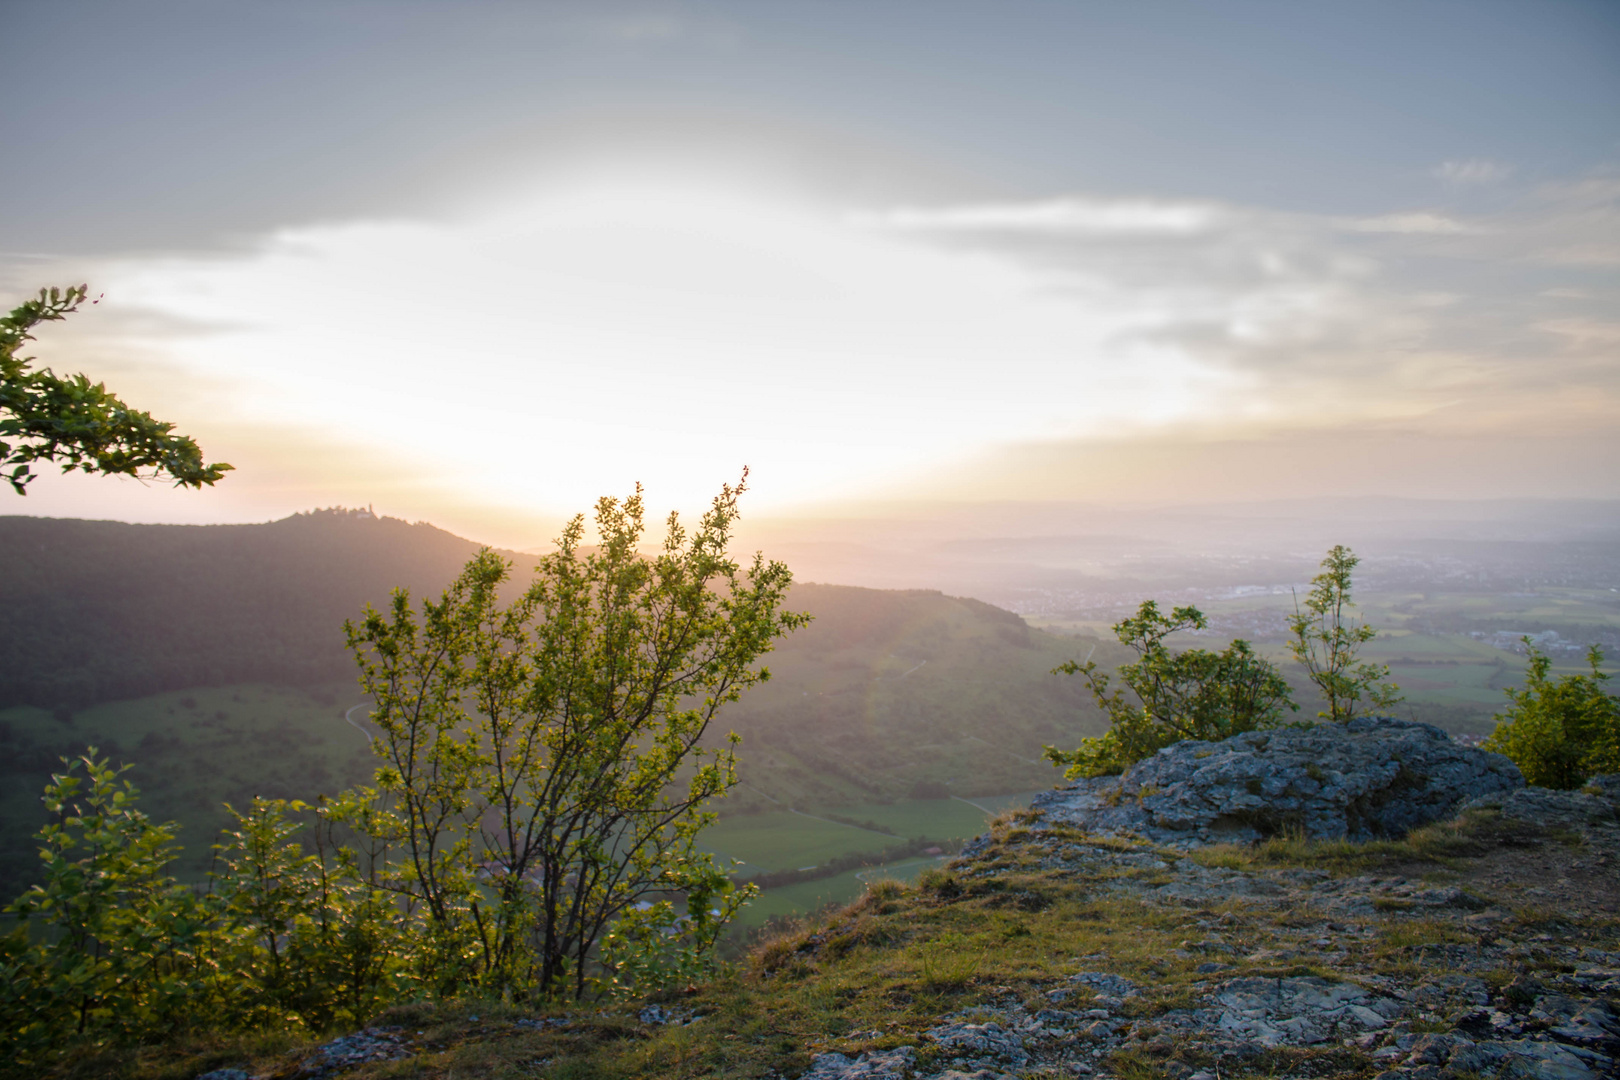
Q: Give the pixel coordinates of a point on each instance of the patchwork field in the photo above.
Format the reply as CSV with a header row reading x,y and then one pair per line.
x,y
1451,653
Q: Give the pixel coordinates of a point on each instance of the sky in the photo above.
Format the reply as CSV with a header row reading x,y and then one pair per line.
x,y
480,263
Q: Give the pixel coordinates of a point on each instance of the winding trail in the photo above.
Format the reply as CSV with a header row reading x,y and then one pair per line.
x,y
349,718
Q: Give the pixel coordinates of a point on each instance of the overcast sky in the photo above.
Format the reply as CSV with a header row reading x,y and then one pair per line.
x,y
481,262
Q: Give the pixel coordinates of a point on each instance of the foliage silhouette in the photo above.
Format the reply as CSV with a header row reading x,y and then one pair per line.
x,y
76,423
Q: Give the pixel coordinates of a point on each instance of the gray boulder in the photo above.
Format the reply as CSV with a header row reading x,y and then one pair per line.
x,y
1373,777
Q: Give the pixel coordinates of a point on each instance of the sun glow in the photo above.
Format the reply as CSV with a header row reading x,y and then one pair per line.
x,y
541,354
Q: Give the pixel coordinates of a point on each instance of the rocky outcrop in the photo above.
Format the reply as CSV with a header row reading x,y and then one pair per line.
x,y
1528,1031
1373,777
1598,803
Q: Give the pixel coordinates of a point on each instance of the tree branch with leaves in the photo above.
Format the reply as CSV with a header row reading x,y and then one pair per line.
x,y
78,424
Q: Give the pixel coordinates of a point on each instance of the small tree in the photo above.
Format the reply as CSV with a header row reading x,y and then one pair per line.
x,y
77,423
544,782
1559,733
1326,642
1196,694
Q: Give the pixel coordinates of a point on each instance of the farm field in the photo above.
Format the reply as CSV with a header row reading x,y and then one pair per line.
x,y
1451,653
810,896
789,840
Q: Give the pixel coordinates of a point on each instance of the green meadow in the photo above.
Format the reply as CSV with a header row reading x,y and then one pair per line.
x,y
787,841
189,753
840,889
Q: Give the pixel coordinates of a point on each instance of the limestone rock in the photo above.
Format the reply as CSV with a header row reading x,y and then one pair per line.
x,y
1296,1011
893,1064
980,1044
1373,777
351,1051
1598,803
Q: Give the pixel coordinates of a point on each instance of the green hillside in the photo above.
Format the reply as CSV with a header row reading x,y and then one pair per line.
x,y
96,611
906,694
212,660
191,751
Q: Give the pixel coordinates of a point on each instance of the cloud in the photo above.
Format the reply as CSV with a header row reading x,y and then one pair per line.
x,y
1064,216
1471,171
1583,333
1327,459
672,334
1571,224
1411,223
1400,315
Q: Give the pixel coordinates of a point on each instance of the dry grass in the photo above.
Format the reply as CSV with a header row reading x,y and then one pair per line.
x,y
1440,845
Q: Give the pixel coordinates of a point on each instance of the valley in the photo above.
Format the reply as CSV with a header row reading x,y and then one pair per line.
x,y
893,725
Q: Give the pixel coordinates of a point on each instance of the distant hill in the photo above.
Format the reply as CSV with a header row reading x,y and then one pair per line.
x,y
94,611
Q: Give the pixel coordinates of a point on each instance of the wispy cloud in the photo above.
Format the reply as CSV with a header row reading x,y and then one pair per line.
x,y
1583,333
1069,215
846,349
1402,314
1472,171
1573,224
1420,222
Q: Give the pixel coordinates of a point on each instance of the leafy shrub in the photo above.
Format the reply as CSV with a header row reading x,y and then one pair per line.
x,y
121,950
314,944
545,779
1560,732
1195,694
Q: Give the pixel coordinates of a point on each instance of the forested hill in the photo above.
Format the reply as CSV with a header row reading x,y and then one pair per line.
x,y
95,611
98,611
